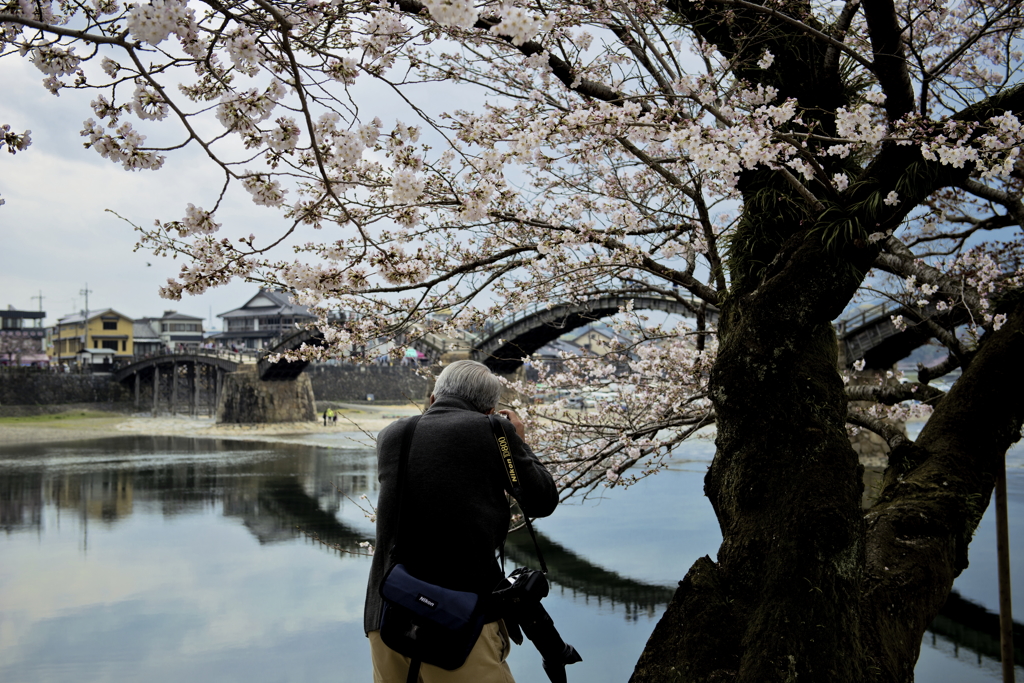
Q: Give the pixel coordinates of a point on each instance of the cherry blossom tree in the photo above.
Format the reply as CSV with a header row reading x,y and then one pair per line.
x,y
764,164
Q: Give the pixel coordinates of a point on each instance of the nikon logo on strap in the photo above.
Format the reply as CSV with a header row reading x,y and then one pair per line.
x,y
507,454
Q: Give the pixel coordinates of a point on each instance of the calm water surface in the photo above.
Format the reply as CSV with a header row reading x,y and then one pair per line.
x,y
167,559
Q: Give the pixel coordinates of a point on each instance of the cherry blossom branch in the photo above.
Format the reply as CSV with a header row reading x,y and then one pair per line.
x,y
901,261
100,39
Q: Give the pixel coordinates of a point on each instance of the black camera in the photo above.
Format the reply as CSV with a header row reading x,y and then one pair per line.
x,y
520,604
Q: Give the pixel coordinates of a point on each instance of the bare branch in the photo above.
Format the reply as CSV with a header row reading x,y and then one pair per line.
x,y
891,394
893,437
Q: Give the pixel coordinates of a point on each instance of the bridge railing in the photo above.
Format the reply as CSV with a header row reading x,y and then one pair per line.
x,y
238,356
864,316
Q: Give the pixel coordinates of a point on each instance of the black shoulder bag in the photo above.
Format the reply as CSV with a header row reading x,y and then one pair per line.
x,y
423,621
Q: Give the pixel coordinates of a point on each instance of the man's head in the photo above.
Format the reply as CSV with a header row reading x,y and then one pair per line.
x,y
470,381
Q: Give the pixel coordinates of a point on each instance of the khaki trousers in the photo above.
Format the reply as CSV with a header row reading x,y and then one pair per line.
x,y
486,662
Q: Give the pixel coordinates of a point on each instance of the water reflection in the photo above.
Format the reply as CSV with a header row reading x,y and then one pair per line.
x,y
105,480
156,524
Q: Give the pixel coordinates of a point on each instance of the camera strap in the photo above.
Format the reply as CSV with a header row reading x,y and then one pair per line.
x,y
515,487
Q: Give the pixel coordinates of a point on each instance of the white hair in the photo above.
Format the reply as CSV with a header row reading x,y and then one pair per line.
x,y
470,381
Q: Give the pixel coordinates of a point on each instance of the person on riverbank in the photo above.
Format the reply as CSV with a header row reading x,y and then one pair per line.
x,y
455,482
329,417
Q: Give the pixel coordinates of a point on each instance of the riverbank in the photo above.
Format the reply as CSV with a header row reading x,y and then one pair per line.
x,y
354,421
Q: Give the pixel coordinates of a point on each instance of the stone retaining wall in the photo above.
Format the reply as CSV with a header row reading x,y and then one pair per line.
x,y
355,382
27,387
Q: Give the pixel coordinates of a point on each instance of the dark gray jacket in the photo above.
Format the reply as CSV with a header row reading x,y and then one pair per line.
x,y
456,513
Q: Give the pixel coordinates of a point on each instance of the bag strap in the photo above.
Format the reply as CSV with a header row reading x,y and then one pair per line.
x,y
403,461
514,483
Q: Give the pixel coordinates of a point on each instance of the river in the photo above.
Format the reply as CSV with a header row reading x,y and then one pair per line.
x,y
172,558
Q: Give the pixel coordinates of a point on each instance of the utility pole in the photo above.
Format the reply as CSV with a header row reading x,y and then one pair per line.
x,y
86,292
39,321
85,318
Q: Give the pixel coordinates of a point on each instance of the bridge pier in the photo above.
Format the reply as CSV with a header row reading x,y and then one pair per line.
x,y
246,399
194,386
174,388
156,389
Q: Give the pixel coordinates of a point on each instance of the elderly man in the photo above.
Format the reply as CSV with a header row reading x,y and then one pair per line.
x,y
456,513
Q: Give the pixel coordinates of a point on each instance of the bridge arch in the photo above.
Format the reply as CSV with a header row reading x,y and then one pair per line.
x,y
867,334
519,336
196,377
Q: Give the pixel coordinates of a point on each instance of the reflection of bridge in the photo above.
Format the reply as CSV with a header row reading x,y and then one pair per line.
x,y
274,501
288,500
196,376
575,573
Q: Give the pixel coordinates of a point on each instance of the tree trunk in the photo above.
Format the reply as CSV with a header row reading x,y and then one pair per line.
x,y
807,586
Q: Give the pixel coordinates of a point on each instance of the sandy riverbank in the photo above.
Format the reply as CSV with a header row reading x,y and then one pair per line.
x,y
355,422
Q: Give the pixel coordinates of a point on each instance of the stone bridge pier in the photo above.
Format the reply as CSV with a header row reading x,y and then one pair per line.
x,y
246,399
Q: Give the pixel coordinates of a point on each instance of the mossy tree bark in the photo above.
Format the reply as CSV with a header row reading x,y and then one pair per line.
x,y
807,586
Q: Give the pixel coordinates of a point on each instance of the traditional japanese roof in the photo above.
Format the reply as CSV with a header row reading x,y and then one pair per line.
x,y
174,315
268,302
143,331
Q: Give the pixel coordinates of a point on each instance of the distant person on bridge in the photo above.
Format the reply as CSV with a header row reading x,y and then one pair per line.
x,y
456,515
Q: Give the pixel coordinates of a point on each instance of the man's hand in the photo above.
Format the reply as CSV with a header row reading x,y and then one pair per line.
x,y
511,416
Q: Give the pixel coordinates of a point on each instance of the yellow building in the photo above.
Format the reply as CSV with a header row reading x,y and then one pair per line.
x,y
94,338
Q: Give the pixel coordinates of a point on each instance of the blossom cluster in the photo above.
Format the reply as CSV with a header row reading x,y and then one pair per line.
x,y
536,156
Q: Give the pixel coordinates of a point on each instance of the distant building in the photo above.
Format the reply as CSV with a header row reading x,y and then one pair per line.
x,y
177,331
93,338
599,339
262,319
22,336
147,340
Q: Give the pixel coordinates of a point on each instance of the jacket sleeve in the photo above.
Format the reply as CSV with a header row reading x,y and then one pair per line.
x,y
539,494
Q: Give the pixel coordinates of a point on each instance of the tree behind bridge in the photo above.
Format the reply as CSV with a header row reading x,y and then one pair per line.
x,y
773,160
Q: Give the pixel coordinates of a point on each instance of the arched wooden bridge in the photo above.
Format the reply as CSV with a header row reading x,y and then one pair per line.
x,y
194,379
867,334
510,340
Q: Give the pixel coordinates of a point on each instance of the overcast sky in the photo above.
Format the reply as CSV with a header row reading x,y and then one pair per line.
x,y
57,235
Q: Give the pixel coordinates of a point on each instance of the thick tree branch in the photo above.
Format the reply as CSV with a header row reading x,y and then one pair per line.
x,y
926,374
889,57
934,493
796,23
892,394
901,261
893,436
839,30
1013,205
